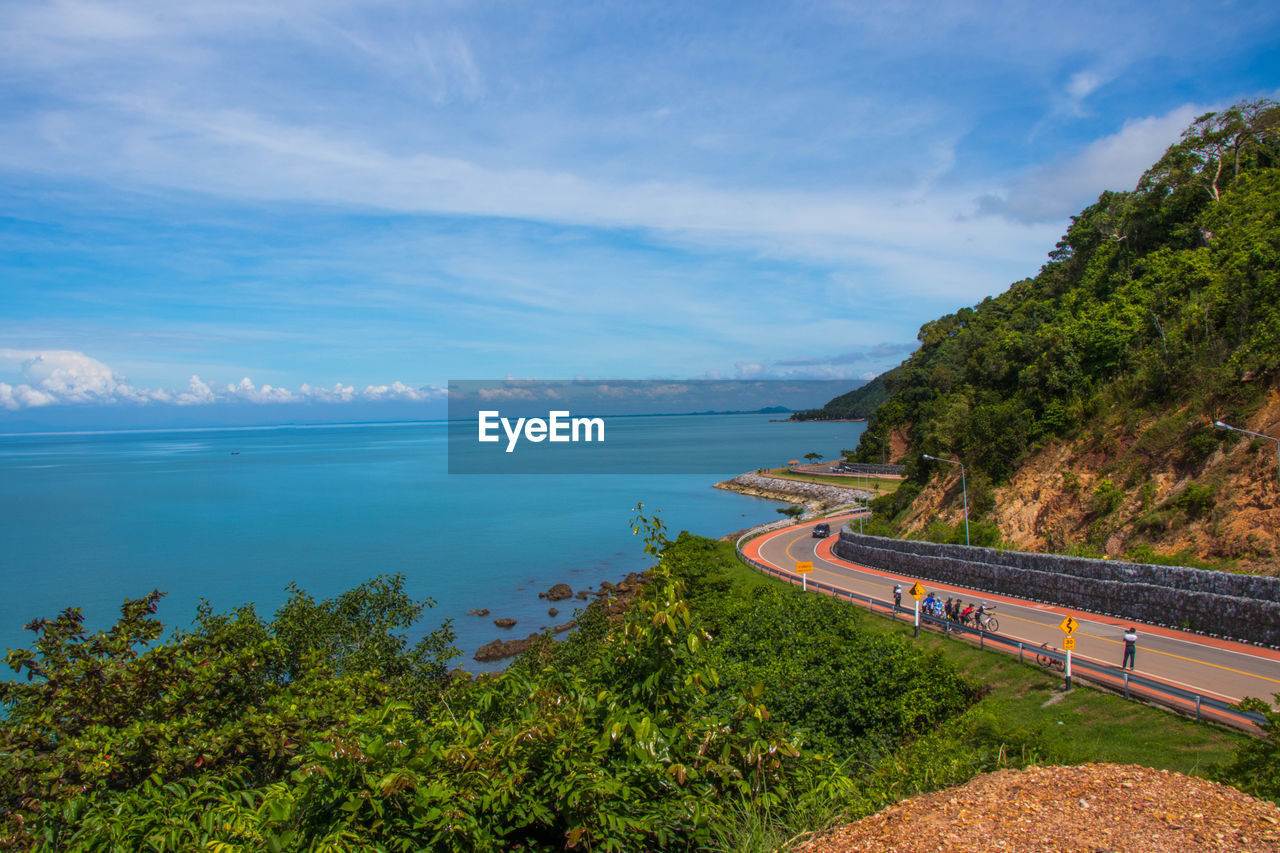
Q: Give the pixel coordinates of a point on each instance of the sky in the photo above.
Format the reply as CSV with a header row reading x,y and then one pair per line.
x,y
224,207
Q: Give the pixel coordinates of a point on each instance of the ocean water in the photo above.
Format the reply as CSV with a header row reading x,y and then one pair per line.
x,y
234,515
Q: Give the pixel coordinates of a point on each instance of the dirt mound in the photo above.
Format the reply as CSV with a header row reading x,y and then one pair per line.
x,y
1094,807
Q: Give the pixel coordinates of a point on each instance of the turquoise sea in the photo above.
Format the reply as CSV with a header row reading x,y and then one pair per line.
x,y
234,515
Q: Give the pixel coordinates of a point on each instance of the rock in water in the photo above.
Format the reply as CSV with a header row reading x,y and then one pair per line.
x,y
559,592
505,623
500,649
551,611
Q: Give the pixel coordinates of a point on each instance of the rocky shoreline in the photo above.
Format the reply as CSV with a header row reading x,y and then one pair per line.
x,y
617,597
614,598
814,496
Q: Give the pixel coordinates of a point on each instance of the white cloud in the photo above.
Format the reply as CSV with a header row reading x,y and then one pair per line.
x,y
400,391
197,393
67,377
246,391
339,393
1055,191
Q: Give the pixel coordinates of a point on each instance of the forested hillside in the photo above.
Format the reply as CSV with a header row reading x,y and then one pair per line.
x,y
1082,400
857,404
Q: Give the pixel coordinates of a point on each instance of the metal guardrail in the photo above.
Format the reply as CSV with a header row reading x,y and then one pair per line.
x,y
1129,683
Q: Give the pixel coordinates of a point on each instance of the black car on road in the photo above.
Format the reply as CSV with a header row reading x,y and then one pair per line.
x,y
821,530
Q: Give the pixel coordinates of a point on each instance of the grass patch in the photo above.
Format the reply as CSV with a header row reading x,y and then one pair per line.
x,y
870,484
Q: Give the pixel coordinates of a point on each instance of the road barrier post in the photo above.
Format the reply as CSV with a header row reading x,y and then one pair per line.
x,y
1126,685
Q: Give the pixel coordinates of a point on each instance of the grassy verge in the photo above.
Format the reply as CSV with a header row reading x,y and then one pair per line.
x,y
871,484
1027,702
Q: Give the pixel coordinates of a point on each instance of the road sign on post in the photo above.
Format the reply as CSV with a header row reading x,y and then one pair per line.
x,y
803,569
917,592
1068,627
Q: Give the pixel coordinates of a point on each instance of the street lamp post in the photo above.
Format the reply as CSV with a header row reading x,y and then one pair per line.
x,y
1221,425
963,488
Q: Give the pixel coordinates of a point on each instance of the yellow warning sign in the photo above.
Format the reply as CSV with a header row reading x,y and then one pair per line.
x,y
1068,626
804,568
1069,643
917,591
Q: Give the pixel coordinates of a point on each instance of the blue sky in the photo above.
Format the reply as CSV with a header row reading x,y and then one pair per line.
x,y
342,204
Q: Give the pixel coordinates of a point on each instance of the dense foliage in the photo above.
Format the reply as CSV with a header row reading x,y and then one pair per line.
x,y
1167,294
236,698
323,729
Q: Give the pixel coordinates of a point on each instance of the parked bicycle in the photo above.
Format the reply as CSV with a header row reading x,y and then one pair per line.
x,y
1050,661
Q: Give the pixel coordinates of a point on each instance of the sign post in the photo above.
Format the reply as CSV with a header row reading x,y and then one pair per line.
x,y
804,569
1068,626
917,592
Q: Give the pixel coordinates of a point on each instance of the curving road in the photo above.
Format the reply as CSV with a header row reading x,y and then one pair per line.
x,y
1223,668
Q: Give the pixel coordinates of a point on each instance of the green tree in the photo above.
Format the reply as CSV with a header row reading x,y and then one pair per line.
x,y
793,512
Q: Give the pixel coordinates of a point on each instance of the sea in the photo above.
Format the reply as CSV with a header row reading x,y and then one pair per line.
x,y
234,515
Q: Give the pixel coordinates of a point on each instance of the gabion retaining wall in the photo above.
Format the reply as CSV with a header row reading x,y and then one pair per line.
x,y
1246,607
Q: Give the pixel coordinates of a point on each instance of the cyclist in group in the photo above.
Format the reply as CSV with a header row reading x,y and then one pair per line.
x,y
897,595
967,614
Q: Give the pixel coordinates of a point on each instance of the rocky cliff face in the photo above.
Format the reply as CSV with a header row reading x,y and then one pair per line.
x,y
1138,489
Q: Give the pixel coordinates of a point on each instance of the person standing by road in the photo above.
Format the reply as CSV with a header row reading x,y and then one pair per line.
x,y
1130,648
897,596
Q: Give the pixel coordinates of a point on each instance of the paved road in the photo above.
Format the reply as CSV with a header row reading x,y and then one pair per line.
x,y
1222,668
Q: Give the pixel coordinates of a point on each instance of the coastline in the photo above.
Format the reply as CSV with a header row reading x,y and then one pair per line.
x,y
813,496
819,420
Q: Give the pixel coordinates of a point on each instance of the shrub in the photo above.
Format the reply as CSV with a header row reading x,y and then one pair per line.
x,y
1106,497
1195,500
1255,769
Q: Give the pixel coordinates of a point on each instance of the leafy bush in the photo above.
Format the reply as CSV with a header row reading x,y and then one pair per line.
x,y
1255,769
1200,445
1194,500
1106,498
103,714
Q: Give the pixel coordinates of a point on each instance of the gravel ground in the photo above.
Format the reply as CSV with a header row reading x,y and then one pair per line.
x,y
1098,808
